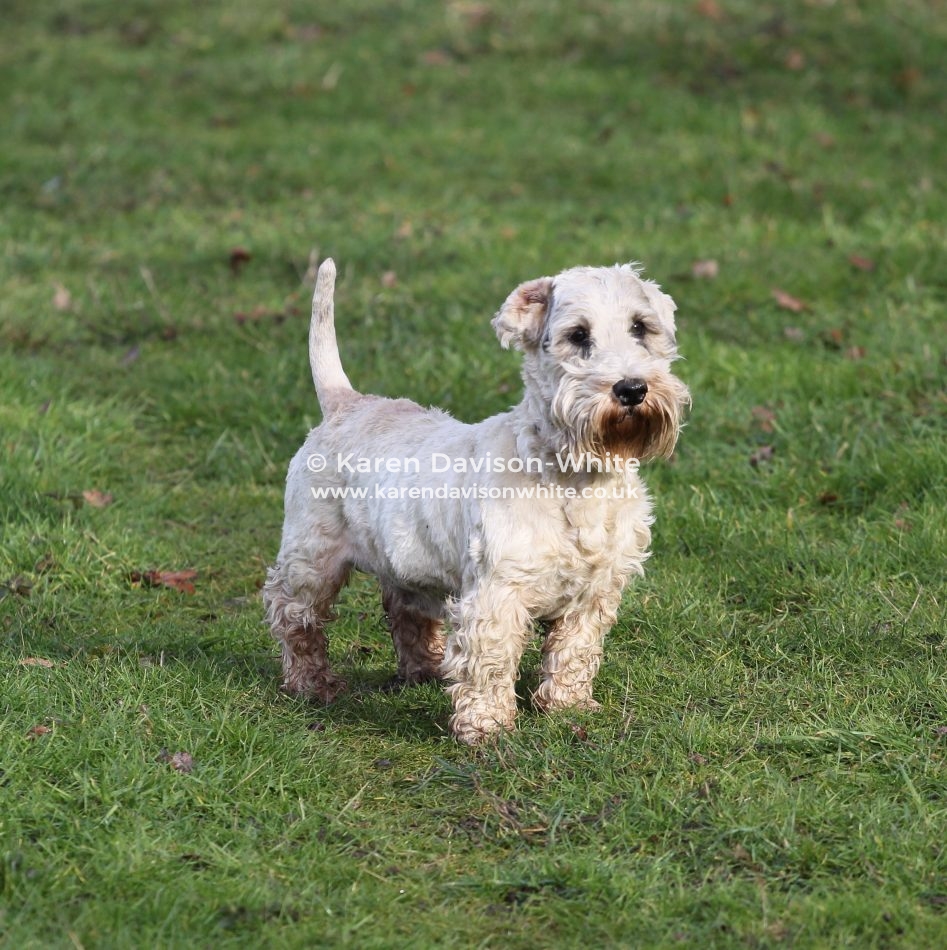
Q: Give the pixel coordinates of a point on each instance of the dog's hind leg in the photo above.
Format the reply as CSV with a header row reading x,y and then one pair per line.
x,y
298,595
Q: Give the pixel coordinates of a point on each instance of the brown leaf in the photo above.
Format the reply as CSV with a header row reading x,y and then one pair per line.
x,y
389,279
764,416
62,299
476,14
19,586
787,301
35,731
907,78
36,661
709,10
833,338
861,263
795,60
580,732
435,57
176,580
182,762
855,353
763,454
97,499
828,498
238,258
705,270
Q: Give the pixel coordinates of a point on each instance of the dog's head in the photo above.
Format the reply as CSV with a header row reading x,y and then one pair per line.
x,y
598,343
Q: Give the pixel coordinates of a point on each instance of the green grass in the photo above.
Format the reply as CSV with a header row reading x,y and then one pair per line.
x,y
769,766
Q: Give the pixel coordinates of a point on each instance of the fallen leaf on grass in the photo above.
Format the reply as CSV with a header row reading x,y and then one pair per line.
x,y
787,301
705,270
795,60
239,257
36,661
176,580
475,14
861,263
907,78
435,57
855,353
708,9
833,338
389,279
179,761
765,417
34,731
19,586
828,498
580,732
98,499
763,454
62,299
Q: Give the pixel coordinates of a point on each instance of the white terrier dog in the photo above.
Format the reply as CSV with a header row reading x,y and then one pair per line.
x,y
536,515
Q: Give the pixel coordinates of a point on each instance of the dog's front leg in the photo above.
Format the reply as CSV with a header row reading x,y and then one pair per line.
x,y
481,660
572,653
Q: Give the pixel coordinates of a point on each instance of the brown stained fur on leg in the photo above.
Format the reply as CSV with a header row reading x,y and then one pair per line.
x,y
418,638
297,619
305,665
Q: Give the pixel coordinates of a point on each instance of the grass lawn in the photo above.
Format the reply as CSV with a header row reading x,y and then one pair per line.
x,y
770,764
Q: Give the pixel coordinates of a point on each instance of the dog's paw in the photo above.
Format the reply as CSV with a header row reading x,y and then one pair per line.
x,y
324,690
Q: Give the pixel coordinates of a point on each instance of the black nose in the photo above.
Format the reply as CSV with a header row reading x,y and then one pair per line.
x,y
630,392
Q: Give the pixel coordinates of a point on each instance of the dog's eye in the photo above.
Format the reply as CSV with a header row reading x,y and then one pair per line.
x,y
579,337
638,328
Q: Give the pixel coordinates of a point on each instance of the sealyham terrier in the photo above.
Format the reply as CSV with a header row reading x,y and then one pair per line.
x,y
533,516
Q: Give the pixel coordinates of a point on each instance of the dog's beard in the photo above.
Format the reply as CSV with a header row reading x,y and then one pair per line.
x,y
599,426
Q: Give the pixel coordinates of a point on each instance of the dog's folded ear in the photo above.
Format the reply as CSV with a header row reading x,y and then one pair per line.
x,y
519,322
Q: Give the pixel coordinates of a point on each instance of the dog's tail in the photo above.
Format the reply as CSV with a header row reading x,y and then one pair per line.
x,y
332,385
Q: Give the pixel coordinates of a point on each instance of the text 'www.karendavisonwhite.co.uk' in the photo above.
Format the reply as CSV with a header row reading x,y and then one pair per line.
x,y
470,492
